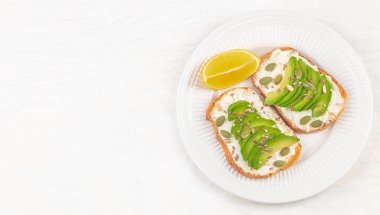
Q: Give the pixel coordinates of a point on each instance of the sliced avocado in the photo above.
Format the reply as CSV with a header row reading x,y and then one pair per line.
x,y
249,117
255,152
244,141
237,112
262,122
237,104
275,96
270,134
235,130
322,104
298,93
306,97
252,153
289,72
300,90
274,145
259,122
258,141
250,143
254,120
315,77
267,129
305,100
303,65
292,82
327,85
317,94
282,91
237,127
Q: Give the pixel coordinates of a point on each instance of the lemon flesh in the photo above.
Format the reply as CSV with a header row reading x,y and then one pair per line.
x,y
229,68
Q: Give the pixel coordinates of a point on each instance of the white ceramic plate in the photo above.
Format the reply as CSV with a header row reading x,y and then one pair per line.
x,y
326,155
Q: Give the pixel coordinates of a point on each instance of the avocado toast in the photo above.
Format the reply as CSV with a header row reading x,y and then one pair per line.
x,y
254,138
307,97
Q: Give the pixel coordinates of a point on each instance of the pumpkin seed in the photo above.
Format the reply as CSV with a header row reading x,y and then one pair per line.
x,y
324,90
225,133
265,80
270,67
308,86
279,163
218,107
285,151
305,120
220,120
290,87
277,79
245,133
298,73
316,124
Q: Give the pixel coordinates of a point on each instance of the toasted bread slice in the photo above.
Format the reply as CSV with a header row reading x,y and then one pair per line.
x,y
231,146
280,57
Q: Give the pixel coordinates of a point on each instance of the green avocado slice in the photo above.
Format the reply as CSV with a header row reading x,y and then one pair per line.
x,y
238,112
328,87
270,134
258,123
249,117
243,141
237,104
267,129
300,90
263,130
317,94
274,145
235,130
253,119
305,98
253,152
262,122
282,91
315,77
250,143
322,104
293,83
275,96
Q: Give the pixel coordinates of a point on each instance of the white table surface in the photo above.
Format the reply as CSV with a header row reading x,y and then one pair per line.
x,y
87,114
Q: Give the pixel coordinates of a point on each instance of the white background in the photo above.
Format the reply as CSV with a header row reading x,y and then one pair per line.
x,y
87,107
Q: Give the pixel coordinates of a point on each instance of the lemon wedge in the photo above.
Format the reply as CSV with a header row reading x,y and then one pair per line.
x,y
229,68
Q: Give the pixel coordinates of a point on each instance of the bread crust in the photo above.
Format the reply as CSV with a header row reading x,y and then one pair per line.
x,y
332,118
292,160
